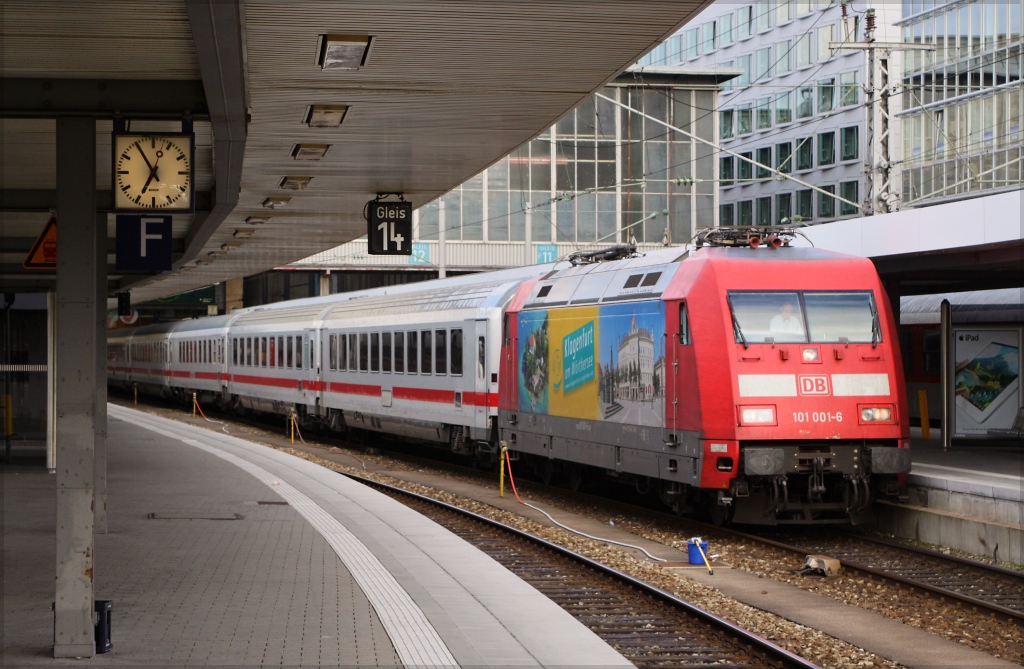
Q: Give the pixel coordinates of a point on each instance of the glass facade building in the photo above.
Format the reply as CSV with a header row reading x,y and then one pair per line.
x,y
798,107
598,172
962,103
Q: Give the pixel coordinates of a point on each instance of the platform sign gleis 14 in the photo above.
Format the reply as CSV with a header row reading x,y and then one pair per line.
x,y
389,231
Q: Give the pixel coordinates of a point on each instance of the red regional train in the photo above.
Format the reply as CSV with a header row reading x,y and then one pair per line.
x,y
754,385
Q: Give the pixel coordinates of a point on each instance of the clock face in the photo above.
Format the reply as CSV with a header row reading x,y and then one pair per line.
x,y
152,172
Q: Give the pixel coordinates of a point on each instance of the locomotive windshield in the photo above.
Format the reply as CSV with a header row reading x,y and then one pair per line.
x,y
805,316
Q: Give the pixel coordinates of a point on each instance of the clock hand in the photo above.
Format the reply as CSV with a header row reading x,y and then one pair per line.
x,y
148,164
149,180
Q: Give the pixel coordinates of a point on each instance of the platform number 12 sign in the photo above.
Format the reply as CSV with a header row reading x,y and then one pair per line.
x,y
390,228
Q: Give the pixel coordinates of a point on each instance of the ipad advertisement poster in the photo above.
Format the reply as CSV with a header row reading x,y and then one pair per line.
x,y
987,380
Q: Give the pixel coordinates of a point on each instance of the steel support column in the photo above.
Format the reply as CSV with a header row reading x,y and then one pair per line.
x,y
100,242
76,386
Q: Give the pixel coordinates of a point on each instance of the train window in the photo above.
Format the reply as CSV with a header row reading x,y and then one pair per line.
x,y
364,353
385,352
766,317
220,351
931,348
280,351
684,325
633,281
299,351
342,344
272,351
481,357
288,344
353,364
332,345
375,352
312,362
441,352
399,352
248,351
842,317
426,351
506,335
413,356
650,279
456,353
543,292
263,351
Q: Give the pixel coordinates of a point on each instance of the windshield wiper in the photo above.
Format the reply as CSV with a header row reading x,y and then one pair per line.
x,y
737,330
876,329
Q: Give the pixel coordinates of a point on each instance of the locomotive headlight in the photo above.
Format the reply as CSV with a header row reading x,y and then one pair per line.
x,y
763,415
810,355
876,414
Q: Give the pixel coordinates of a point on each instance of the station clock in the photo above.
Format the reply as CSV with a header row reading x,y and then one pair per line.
x,y
153,172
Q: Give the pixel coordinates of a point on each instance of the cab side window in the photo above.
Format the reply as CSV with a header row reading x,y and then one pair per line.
x,y
684,325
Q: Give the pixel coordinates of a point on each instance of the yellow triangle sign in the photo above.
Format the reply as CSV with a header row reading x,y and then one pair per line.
x,y
44,252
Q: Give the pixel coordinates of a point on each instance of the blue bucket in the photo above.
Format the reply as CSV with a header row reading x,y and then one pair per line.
x,y
694,554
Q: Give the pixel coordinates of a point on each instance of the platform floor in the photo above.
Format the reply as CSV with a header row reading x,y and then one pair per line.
x,y
202,570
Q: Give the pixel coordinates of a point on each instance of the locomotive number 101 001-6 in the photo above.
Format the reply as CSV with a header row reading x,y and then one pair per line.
x,y
817,417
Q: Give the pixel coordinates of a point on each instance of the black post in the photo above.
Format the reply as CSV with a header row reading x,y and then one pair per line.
x,y
8,401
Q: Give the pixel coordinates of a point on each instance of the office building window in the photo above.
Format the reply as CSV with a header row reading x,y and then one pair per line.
x,y
805,102
804,55
784,107
725,170
804,7
763,63
827,203
745,168
826,95
783,57
710,37
725,214
763,12
692,37
805,154
725,31
849,190
764,210
743,62
745,120
764,113
745,21
782,11
849,91
825,35
726,123
764,161
784,208
804,203
784,157
850,143
745,213
826,148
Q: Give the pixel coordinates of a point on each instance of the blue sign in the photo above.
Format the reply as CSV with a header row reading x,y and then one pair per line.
x,y
143,243
420,254
547,253
578,356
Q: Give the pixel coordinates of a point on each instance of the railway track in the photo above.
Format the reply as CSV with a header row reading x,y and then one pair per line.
x,y
971,584
650,627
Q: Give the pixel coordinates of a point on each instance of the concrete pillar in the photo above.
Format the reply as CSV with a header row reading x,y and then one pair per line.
x,y
100,241
234,291
75,386
51,384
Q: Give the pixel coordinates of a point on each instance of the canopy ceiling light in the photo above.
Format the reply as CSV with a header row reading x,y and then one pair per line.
x,y
325,116
257,220
295,183
276,202
343,52
310,151
243,233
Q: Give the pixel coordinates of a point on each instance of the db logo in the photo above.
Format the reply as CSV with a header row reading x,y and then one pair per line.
x,y
814,385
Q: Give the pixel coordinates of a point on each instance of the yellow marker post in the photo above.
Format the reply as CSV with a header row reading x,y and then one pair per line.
x,y
922,401
194,405
136,387
293,428
501,477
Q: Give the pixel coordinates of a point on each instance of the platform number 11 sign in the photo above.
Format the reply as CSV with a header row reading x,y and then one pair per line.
x,y
390,228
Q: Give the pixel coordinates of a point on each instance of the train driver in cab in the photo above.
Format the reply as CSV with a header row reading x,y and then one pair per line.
x,y
786,321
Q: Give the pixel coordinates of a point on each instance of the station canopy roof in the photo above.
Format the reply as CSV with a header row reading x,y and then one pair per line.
x,y
438,92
